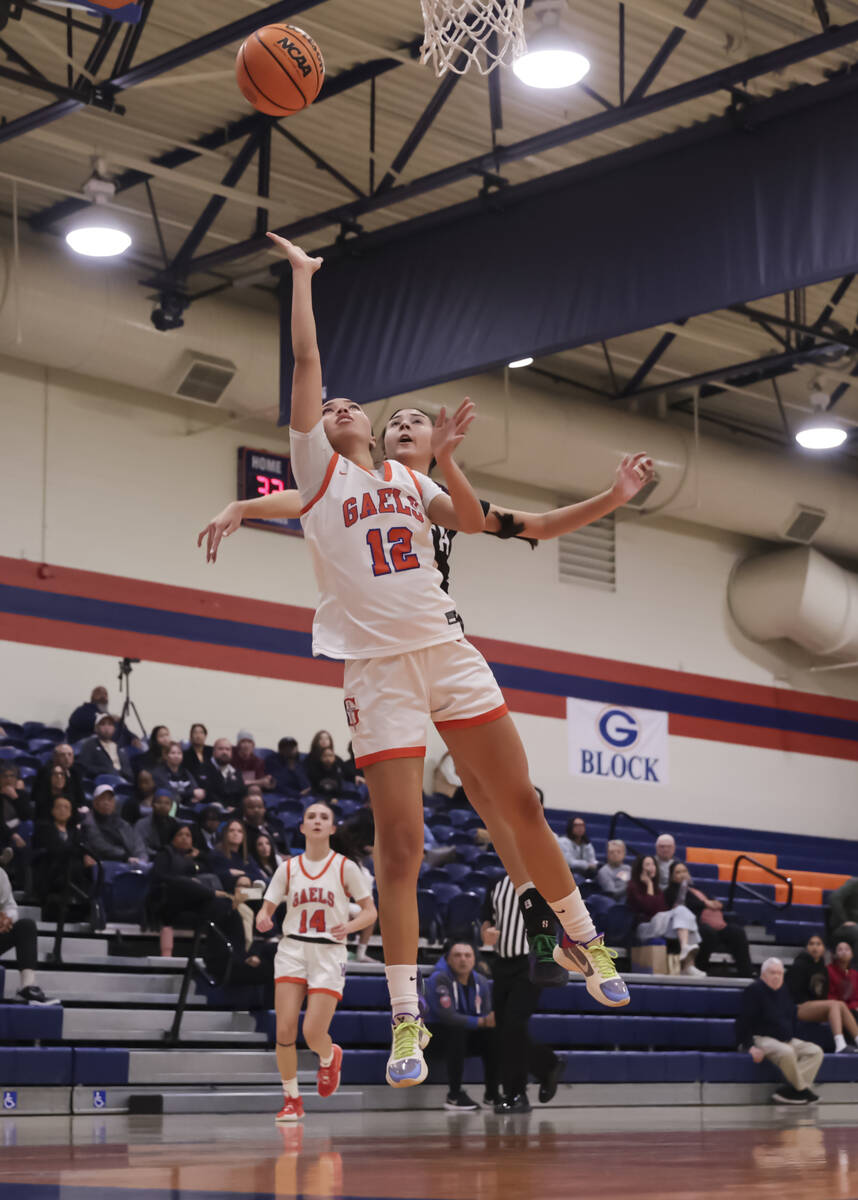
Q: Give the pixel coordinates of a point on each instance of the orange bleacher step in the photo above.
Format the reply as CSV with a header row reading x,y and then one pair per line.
x,y
808,886
726,858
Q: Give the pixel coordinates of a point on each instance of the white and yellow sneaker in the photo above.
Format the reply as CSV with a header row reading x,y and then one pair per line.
x,y
595,962
406,1066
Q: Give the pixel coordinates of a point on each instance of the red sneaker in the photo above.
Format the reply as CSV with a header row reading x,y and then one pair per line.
x,y
292,1110
328,1078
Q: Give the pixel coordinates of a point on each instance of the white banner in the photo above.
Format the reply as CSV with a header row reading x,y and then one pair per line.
x,y
611,741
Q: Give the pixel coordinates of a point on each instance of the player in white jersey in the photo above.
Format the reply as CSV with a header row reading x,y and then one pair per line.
x,y
318,888
384,612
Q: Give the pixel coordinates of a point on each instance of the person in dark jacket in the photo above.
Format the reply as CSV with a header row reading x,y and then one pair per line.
x,y
257,821
286,770
82,721
181,882
45,784
807,980
106,836
101,754
226,786
177,779
139,803
230,860
843,914
463,1023
766,1028
197,759
717,932
60,861
156,830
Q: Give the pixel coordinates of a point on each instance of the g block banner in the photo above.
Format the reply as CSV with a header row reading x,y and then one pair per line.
x,y
612,741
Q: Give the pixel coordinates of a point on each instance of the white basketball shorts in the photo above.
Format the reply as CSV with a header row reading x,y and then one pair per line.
x,y
321,966
389,700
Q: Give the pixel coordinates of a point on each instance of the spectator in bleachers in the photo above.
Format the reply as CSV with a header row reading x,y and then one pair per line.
x,y
230,860
247,762
463,1024
139,803
843,921
766,1028
100,754
716,932
264,854
326,774
257,821
82,721
656,920
59,857
106,836
286,770
313,762
44,783
157,829
198,756
578,850
351,773
227,785
178,779
808,982
613,877
665,853
14,809
208,829
182,882
159,744
20,934
842,976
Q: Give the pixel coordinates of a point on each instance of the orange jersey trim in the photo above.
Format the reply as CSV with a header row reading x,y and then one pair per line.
x,y
290,979
324,487
305,872
343,875
415,480
494,714
326,991
382,755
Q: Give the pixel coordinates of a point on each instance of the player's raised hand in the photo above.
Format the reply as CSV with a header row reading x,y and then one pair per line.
x,y
633,473
221,526
299,260
450,431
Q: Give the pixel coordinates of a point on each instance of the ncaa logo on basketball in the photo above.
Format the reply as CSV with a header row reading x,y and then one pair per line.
x,y
352,711
616,743
297,55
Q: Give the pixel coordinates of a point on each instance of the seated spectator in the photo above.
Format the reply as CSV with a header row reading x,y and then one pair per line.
x,y
257,821
177,779
463,1024
230,860
106,836
645,897
227,786
45,784
716,931
578,849
807,980
285,769
247,762
82,721
100,754
14,808
139,803
265,856
60,862
326,774
613,878
197,758
182,883
20,933
158,828
313,763
842,976
351,772
765,1028
156,753
665,853
209,821
843,916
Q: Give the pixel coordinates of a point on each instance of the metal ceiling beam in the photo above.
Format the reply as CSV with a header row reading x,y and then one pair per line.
x,y
650,361
663,54
197,48
317,160
814,333
721,80
37,83
836,296
214,140
738,373
421,127
822,12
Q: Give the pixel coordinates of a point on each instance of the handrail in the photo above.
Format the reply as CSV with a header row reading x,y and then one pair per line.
x,y
636,820
205,928
746,887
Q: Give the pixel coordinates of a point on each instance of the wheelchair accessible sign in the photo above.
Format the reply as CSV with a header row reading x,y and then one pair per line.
x,y
611,741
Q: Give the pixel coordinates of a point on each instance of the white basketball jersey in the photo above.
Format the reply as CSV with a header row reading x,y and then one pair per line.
x,y
370,539
317,894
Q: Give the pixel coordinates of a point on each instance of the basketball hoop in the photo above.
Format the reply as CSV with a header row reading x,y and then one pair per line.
x,y
461,34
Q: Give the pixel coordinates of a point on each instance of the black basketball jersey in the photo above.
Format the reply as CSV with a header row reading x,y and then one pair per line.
x,y
443,541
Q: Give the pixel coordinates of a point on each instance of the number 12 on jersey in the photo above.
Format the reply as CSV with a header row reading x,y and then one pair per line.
x,y
316,923
402,557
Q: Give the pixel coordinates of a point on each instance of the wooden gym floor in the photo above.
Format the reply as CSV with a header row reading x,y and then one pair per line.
x,y
644,1154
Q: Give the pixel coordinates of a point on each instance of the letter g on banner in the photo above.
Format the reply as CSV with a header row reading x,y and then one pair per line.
x,y
618,728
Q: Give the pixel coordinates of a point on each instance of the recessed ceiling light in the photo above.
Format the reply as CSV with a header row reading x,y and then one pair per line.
x,y
520,362
551,60
96,232
821,432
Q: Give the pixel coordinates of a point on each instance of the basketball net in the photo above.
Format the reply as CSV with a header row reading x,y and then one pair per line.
x,y
461,34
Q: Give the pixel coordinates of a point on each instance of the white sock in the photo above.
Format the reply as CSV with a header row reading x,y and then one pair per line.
x,y
28,978
361,954
572,914
519,891
839,1043
290,1088
402,984
326,1062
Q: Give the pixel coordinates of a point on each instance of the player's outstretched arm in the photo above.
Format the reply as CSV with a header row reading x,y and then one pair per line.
x,y
460,508
307,376
279,505
633,473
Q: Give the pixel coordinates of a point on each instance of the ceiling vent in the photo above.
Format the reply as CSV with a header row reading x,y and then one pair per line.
x,y
589,556
640,498
204,378
804,524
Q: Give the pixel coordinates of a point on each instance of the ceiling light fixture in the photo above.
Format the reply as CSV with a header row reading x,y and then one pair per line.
x,y
96,232
520,362
551,60
821,432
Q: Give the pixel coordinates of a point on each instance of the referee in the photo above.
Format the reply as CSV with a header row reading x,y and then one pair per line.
x,y
515,1000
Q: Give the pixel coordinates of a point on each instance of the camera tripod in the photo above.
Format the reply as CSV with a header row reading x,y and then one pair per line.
x,y
125,668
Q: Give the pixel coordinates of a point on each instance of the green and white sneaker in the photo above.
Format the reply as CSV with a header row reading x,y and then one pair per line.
x,y
595,961
406,1066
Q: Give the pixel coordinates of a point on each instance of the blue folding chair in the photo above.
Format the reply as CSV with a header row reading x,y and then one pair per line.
x,y
125,898
114,781
456,872
429,915
463,916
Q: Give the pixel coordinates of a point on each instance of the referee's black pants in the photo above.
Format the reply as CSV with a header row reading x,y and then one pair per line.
x,y
515,999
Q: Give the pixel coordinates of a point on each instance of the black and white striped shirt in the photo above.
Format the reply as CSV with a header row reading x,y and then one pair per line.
x,y
501,908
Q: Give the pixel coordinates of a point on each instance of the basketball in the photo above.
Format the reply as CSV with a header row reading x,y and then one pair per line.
x,y
279,69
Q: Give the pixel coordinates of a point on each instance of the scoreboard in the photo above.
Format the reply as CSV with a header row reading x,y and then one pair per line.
x,y
262,473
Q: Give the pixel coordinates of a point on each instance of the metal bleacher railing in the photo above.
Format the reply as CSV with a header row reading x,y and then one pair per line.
x,y
615,820
737,884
